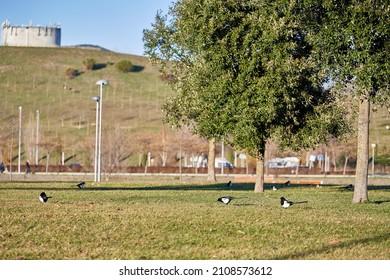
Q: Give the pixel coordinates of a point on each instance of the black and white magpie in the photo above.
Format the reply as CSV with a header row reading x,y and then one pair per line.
x,y
81,185
274,188
43,197
225,199
349,187
286,203
229,184
288,183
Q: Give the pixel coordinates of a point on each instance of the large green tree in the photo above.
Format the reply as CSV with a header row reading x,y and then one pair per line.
x,y
353,46
244,71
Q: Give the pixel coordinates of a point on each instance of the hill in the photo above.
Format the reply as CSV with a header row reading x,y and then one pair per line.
x,y
35,79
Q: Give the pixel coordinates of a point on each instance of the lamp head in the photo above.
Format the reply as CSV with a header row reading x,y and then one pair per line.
x,y
102,82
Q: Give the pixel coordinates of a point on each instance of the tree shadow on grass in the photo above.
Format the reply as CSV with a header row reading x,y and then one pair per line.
x,y
378,188
369,188
380,201
181,187
90,187
137,68
331,247
206,187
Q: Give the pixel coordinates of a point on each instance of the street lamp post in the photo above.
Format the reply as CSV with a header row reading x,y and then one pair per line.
x,y
223,157
37,141
96,98
20,137
373,158
101,83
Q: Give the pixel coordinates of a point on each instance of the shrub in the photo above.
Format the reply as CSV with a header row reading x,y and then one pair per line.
x,y
89,63
71,73
124,66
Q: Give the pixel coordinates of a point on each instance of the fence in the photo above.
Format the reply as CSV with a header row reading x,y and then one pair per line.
x,y
183,170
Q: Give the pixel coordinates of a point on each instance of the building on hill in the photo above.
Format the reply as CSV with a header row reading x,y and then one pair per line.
x,y
30,36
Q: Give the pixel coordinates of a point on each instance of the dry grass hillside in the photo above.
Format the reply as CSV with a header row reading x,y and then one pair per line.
x,y
35,78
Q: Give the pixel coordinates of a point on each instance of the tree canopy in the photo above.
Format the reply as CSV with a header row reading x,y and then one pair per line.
x,y
352,40
245,71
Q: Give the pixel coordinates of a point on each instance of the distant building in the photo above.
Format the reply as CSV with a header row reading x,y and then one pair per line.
x,y
30,36
283,162
219,162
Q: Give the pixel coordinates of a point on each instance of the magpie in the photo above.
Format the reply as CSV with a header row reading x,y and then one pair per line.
x,y
286,203
274,188
81,185
349,187
229,184
288,183
43,197
225,199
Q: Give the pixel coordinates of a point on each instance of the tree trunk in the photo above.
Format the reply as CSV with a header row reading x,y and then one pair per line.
x,y
211,161
345,165
259,185
360,191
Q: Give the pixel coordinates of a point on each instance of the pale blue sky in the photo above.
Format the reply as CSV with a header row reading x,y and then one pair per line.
x,y
114,24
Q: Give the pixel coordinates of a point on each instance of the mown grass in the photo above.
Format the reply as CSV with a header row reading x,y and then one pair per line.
x,y
157,221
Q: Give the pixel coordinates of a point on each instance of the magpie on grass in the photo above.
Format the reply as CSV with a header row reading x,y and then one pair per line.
x,y
274,188
288,183
81,185
225,199
229,184
43,197
286,203
349,187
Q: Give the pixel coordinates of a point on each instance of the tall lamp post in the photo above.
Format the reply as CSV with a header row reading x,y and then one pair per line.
x,y
20,137
373,158
101,83
96,98
37,141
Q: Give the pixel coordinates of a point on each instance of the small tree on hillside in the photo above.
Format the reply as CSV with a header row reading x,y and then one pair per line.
x,y
89,64
124,66
71,73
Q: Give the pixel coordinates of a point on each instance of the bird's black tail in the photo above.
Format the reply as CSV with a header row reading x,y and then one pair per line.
x,y
299,202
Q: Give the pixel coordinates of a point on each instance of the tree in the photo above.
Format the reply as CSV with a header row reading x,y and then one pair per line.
x,y
89,63
245,71
167,48
115,150
354,48
124,66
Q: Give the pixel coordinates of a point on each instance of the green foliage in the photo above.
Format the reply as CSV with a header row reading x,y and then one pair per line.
x,y
89,64
353,48
124,66
246,72
144,158
353,44
382,160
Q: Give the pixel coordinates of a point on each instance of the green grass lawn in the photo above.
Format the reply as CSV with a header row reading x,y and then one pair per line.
x,y
176,221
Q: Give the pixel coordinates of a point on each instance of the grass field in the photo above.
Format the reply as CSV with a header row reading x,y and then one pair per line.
x,y
175,221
